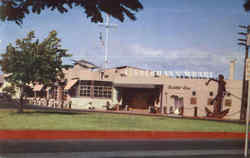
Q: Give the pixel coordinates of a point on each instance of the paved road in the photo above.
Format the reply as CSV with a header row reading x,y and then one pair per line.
x,y
128,154
121,148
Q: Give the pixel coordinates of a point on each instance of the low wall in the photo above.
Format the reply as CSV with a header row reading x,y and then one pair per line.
x,y
83,103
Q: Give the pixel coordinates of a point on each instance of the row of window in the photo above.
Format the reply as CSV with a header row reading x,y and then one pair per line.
x,y
228,102
104,90
210,94
99,89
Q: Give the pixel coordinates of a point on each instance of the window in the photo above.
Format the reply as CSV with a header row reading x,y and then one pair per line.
x,y
228,102
65,94
99,89
106,76
156,74
102,74
103,89
85,88
209,101
193,101
211,94
123,75
194,93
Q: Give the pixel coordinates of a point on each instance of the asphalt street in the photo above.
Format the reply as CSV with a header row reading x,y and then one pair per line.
x,y
121,148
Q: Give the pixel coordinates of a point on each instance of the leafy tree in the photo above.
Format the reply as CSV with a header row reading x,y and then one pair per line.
x,y
32,62
16,10
247,5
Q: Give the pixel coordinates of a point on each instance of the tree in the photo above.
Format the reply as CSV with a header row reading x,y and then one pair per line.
x,y
32,62
247,5
16,10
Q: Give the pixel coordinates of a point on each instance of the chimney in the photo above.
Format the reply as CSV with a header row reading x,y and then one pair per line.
x,y
232,69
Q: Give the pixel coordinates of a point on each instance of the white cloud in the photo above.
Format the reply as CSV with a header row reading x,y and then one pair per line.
x,y
138,49
188,59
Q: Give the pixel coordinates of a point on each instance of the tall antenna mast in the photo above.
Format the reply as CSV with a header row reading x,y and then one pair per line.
x,y
107,26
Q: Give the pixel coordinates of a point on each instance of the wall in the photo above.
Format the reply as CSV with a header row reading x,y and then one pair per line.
x,y
183,88
202,95
98,103
83,103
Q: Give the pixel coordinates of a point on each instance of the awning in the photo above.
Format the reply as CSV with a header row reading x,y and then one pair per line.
x,y
70,84
135,85
38,87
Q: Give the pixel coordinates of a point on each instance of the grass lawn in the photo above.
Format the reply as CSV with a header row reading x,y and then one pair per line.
x,y
32,119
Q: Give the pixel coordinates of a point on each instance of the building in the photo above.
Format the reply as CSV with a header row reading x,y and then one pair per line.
x,y
4,84
138,89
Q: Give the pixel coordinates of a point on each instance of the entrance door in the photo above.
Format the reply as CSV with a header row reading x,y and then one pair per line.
x,y
140,101
138,98
178,105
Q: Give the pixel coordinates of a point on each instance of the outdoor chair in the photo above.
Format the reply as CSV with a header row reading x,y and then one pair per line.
x,y
53,103
107,106
70,103
35,101
50,103
43,102
117,107
113,108
67,104
57,104
152,109
39,101
92,108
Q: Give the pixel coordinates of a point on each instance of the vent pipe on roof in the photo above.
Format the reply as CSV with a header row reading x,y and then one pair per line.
x,y
232,69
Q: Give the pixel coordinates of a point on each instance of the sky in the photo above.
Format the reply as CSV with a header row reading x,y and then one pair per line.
x,y
168,35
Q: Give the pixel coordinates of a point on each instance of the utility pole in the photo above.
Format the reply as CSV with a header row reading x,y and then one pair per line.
x,y
244,96
248,108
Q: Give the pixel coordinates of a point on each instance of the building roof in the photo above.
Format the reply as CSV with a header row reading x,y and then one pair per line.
x,y
85,64
124,67
70,84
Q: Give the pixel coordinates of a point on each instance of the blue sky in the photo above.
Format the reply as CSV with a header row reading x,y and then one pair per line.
x,y
183,35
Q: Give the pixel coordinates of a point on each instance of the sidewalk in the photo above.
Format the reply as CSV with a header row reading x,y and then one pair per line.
x,y
45,108
38,107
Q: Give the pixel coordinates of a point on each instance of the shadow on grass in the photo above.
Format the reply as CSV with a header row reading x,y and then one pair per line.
x,y
46,113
